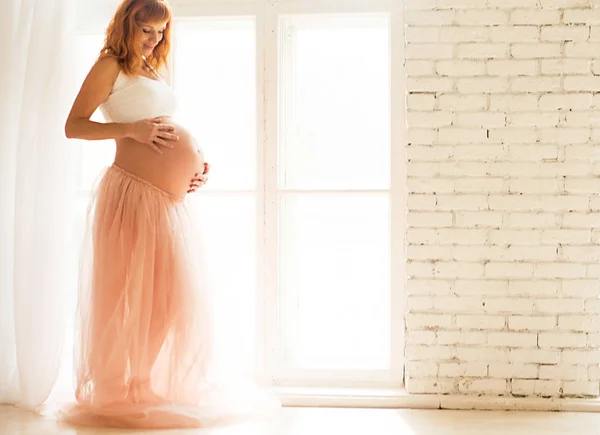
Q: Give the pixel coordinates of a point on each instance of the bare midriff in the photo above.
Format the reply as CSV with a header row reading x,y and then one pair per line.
x,y
173,170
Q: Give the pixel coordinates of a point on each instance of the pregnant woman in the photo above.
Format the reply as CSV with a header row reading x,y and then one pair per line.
x,y
144,336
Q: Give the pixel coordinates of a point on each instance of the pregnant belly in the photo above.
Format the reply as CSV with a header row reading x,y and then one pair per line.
x,y
171,171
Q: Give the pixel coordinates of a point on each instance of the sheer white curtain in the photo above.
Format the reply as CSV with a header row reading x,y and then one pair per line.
x,y
35,194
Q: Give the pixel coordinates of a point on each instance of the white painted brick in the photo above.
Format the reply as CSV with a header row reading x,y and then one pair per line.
x,y
576,83
480,322
421,101
508,305
482,354
522,387
459,103
464,34
483,287
425,136
533,119
428,321
461,4
536,185
514,103
512,339
580,288
422,368
559,306
515,33
512,4
427,353
481,17
510,371
463,338
481,120
460,68
559,270
429,84
476,369
429,119
487,386
565,33
427,219
563,4
581,236
540,356
592,306
532,153
581,254
532,323
456,268
535,84
420,4
430,253
429,18
564,135
509,270
416,269
534,16
482,85
461,202
581,389
589,356
547,388
458,304
581,220
479,185
455,136
565,66
565,372
580,323
540,288
422,34
530,220
585,50
512,67
582,16
424,286
515,237
429,51
434,385
535,51
581,119
417,68
483,219
558,340
511,134
421,337
419,303
481,50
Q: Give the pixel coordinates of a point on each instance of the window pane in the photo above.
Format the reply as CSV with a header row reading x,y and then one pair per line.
x,y
230,232
335,103
334,281
215,82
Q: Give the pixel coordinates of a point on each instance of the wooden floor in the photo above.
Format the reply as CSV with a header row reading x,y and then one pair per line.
x,y
306,421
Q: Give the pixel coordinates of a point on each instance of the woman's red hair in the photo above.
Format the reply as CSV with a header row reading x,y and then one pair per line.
x,y
124,34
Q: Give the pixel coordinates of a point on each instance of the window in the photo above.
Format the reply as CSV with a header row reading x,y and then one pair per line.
x,y
293,104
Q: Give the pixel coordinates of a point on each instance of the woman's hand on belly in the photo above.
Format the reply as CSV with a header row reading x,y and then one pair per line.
x,y
154,133
200,179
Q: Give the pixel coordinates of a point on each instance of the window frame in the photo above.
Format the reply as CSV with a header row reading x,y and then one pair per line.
x,y
268,55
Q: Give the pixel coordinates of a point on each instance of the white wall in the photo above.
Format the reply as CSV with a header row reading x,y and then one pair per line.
x,y
503,207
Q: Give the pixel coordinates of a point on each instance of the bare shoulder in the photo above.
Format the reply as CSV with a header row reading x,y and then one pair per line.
x,y
106,67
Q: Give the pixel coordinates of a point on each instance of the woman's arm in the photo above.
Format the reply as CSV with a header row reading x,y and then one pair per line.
x,y
94,91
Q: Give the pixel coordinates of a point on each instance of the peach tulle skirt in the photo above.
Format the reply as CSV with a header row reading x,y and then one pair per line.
x,y
144,342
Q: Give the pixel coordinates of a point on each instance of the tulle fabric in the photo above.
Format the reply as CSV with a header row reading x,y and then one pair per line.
x,y
145,319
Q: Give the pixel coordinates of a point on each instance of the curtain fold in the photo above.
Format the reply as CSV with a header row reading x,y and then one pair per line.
x,y
36,194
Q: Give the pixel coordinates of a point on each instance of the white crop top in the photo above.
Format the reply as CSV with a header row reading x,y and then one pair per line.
x,y
134,98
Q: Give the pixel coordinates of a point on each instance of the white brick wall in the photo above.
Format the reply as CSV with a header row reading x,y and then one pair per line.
x,y
503,177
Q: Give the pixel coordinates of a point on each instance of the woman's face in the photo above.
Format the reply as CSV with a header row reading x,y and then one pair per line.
x,y
152,35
